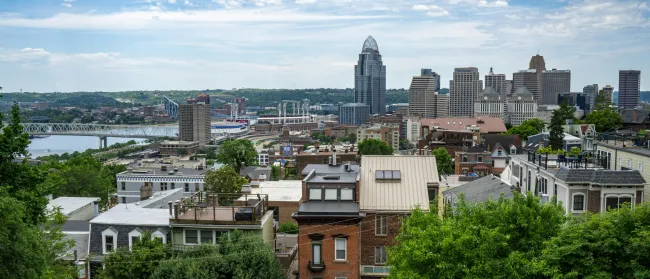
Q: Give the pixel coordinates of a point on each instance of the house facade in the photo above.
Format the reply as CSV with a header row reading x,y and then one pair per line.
x,y
624,155
160,178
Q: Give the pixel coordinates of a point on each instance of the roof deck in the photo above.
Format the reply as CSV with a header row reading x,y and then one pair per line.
x,y
220,209
557,161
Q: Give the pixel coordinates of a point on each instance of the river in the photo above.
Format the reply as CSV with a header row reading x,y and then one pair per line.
x,y
62,144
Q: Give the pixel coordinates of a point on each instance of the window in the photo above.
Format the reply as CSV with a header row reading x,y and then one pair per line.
x,y
187,187
433,194
315,194
123,199
578,202
543,186
616,202
196,187
316,253
109,240
161,186
464,159
640,166
480,159
388,175
206,237
347,194
629,163
555,192
381,226
331,194
191,237
340,249
619,161
134,235
123,186
159,234
173,186
380,255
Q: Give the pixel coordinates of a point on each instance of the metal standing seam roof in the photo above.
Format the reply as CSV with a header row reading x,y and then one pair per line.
x,y
396,195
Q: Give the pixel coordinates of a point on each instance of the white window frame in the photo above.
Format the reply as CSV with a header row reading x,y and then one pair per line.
x,y
618,196
330,190
338,248
382,250
584,202
158,233
382,220
640,166
105,233
629,163
198,238
134,233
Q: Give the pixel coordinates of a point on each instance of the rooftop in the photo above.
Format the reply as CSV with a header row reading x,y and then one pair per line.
x,y
76,226
151,170
407,189
627,146
283,190
325,169
255,172
221,209
131,214
485,124
328,208
69,205
601,176
482,189
176,142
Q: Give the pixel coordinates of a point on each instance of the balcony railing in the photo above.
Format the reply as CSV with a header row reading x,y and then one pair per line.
x,y
220,209
316,267
582,161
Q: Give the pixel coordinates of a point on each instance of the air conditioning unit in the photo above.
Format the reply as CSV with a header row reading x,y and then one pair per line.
x,y
544,198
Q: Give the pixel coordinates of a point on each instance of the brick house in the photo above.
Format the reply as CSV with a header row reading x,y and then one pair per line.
x,y
328,219
390,187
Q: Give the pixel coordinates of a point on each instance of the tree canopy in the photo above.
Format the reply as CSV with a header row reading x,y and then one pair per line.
x,y
224,180
443,161
556,127
374,147
494,239
527,128
237,153
603,115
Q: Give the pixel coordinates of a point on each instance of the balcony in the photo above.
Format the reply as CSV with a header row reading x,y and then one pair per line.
x,y
220,209
375,270
556,161
316,267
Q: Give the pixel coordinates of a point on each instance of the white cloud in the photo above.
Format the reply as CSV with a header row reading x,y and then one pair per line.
x,y
497,3
67,5
262,3
171,1
437,13
306,1
432,10
188,3
229,4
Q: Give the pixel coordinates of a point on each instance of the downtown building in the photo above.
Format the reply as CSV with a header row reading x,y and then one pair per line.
x,y
463,91
521,107
538,64
528,79
353,114
497,82
629,88
592,91
424,99
370,78
489,104
608,90
194,123
554,82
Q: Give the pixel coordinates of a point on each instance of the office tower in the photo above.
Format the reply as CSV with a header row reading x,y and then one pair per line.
x,y
241,105
608,90
423,96
203,98
576,99
353,114
592,91
489,104
528,79
497,82
629,88
539,65
194,123
463,90
509,87
521,107
370,78
442,105
554,82
428,72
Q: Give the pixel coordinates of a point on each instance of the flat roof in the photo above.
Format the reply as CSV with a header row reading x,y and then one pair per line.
x,y
283,190
180,142
629,147
150,170
69,205
131,214
328,208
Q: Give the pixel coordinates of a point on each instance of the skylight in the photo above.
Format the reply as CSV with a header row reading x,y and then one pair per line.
x,y
388,175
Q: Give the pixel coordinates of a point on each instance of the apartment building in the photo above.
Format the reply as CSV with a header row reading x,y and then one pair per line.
x,y
626,155
194,123
161,178
388,133
463,90
178,148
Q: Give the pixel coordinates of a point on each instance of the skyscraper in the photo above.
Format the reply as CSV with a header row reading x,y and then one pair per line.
x,y
463,90
528,79
539,65
608,90
194,123
370,78
423,95
629,88
554,82
591,91
497,82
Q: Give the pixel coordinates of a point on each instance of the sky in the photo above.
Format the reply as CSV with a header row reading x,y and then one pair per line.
x,y
119,45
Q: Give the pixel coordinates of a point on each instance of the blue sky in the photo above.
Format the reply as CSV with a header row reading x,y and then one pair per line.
x,y
115,45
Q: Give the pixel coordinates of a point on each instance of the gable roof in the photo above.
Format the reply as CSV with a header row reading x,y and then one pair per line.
x,y
482,189
505,140
396,195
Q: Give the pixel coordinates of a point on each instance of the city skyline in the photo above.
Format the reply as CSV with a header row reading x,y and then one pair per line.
x,y
122,45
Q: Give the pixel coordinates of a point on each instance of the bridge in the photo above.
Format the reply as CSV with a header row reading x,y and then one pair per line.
x,y
171,107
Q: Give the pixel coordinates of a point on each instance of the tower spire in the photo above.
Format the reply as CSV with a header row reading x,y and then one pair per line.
x,y
491,72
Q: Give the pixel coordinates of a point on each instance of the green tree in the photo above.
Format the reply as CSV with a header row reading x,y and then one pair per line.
x,y
237,153
494,239
288,227
404,144
556,127
527,128
275,173
139,262
604,116
224,180
614,244
352,138
443,161
374,147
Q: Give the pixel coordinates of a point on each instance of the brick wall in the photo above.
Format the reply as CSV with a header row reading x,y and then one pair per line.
x,y
594,201
369,240
348,269
285,210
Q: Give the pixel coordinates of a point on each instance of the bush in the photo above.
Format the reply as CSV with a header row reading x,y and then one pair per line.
x,y
288,227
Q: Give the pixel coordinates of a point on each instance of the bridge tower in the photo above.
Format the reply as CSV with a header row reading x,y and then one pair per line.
x,y
103,142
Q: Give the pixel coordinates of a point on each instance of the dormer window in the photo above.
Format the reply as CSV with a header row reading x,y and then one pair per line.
x,y
388,175
480,159
464,159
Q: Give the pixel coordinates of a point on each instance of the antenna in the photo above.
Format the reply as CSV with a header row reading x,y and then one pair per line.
x,y
538,51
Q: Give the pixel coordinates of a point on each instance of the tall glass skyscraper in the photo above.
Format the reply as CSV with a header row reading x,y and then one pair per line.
x,y
370,78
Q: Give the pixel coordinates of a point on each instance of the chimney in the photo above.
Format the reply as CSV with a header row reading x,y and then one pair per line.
x,y
95,209
334,159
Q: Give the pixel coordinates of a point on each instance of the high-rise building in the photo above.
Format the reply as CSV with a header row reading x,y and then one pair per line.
x,y
463,90
203,98
489,104
629,88
353,114
194,123
521,107
539,65
592,91
528,79
554,82
497,82
608,90
509,87
423,96
370,78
